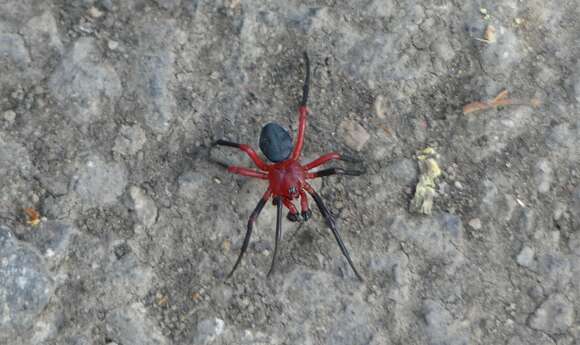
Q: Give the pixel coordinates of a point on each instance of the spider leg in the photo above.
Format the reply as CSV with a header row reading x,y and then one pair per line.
x,y
302,111
328,157
334,171
332,225
247,149
247,172
278,203
251,222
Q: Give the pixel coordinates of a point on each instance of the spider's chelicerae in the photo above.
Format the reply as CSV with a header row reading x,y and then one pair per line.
x,y
288,177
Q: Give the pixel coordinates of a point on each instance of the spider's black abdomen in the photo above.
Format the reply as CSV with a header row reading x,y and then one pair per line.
x,y
275,142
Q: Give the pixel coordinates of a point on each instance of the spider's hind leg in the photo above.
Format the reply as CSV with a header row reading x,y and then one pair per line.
x,y
250,226
332,225
278,233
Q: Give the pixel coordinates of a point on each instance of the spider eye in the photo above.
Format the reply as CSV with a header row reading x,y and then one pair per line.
x,y
292,190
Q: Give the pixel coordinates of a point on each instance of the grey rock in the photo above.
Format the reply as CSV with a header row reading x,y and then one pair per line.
x,y
404,171
543,175
351,326
153,73
208,330
395,267
574,243
575,209
126,280
227,156
53,239
168,4
144,206
100,183
502,128
355,136
41,35
527,222
554,316
496,205
9,116
500,57
348,316
158,70
443,48
25,286
106,4
13,50
564,139
374,55
441,327
439,236
13,159
131,325
192,184
84,86
129,140
556,271
475,224
525,257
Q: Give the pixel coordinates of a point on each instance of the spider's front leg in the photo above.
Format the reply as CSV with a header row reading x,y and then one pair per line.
x,y
302,111
248,150
329,157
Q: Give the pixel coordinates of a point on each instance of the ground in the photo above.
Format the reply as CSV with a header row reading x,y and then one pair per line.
x,y
108,109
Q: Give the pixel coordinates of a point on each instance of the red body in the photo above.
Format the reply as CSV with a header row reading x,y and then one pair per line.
x,y
287,179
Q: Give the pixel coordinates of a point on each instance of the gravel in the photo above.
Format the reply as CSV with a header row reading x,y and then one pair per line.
x,y
555,315
107,114
26,287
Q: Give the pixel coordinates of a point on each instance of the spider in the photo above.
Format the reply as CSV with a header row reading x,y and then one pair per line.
x,y
288,178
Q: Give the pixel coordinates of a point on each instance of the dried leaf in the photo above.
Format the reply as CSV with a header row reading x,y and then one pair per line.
x,y
33,216
499,101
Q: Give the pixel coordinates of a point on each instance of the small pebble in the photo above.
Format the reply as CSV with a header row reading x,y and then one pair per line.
x,y
107,4
379,109
9,116
475,224
554,316
355,135
95,12
526,257
113,45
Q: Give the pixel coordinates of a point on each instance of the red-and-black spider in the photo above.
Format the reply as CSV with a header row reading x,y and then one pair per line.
x,y
288,177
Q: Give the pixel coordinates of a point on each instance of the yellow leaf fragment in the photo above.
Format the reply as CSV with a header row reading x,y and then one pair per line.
x,y
425,190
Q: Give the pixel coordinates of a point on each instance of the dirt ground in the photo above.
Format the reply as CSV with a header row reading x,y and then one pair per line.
x,y
108,109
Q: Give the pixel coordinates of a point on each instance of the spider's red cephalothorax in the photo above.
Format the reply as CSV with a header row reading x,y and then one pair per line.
x,y
288,177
